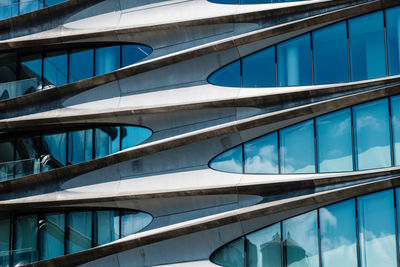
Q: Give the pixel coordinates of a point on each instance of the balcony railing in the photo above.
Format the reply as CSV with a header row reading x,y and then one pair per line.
x,y
18,257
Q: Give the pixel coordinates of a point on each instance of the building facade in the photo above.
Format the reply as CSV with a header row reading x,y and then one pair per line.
x,y
200,133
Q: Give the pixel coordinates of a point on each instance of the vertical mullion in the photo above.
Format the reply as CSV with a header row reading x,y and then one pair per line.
x,y
279,151
39,217
283,248
391,132
353,143
357,233
348,48
276,65
386,42
315,147
93,243
245,251
66,232
93,143
120,224
396,226
312,59
319,239
67,147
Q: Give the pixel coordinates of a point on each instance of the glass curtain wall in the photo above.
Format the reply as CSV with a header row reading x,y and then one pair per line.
x,y
12,8
355,49
359,231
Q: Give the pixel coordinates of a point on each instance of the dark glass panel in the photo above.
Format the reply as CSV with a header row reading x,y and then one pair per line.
x,y
338,234
28,152
395,109
25,240
261,154
30,73
54,151
52,234
334,144
107,59
4,239
26,6
6,160
132,136
134,53
79,231
81,65
9,87
133,221
330,54
264,247
80,146
294,61
227,76
229,161
393,39
106,226
259,69
231,255
367,47
55,69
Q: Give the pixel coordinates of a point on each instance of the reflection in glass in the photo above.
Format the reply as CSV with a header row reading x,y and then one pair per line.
x,y
107,141
297,157
330,54
81,65
52,230
54,151
393,39
31,70
371,135
294,61
334,144
395,112
338,234
106,223
367,47
107,59
261,154
227,76
26,6
79,231
133,221
231,255
80,146
25,239
134,53
55,69
229,161
377,229
264,247
259,69
132,136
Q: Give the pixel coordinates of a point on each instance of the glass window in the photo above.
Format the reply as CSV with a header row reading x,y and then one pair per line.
x,y
225,1
227,76
334,144
8,9
294,61
8,75
6,160
28,152
330,54
132,136
52,232
80,146
395,109
55,69
26,6
4,233
264,247
255,1
79,231
300,236
259,69
134,53
52,2
231,255
25,241
30,74
107,141
54,151
229,161
393,39
377,229
261,154
338,234
297,157
106,223
133,221
107,59
371,136
81,65
367,47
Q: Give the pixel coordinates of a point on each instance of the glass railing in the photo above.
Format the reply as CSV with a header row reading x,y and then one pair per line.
x,y
18,88
18,257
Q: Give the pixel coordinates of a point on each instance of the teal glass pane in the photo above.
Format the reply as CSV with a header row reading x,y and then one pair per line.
x,y
53,2
393,39
26,6
334,144
297,157
106,223
300,237
372,135
227,76
52,234
107,59
261,154
80,146
30,73
367,47
134,53
107,140
229,161
28,152
133,221
231,254
294,61
264,247
81,64
330,54
395,109
25,239
225,1
259,69
55,69
54,151
132,136
338,234
255,1
8,9
377,229
79,231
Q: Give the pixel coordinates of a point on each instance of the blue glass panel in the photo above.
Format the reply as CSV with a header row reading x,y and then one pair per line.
x,y
261,154
107,59
79,231
8,9
132,136
107,140
229,161
372,136
80,146
31,72
25,240
231,255
54,151
133,221
81,65
294,61
227,76
106,226
264,247
338,234
377,229
330,54
334,144
225,1
395,109
55,69
256,1
53,2
134,53
52,234
259,69
393,39
367,47
300,236
297,157
26,6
